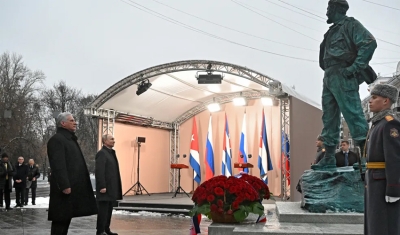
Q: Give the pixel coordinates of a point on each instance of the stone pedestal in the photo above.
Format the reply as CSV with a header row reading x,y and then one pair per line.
x,y
337,190
288,218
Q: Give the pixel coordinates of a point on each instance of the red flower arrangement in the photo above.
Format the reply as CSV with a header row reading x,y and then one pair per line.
x,y
227,197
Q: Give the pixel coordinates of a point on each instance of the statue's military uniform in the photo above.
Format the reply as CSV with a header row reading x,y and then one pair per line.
x,y
320,154
383,177
347,44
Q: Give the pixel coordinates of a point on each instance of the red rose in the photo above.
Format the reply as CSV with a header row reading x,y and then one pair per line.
x,y
229,212
235,205
214,208
219,191
210,198
220,210
220,203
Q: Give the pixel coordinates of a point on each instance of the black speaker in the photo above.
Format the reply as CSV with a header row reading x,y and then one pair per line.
x,y
141,139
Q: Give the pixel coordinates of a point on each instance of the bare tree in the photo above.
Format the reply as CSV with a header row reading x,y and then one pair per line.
x,y
19,87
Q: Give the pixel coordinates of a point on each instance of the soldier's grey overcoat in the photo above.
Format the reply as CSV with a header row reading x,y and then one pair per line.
x,y
383,145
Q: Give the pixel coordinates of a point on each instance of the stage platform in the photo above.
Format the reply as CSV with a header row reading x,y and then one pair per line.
x,y
157,202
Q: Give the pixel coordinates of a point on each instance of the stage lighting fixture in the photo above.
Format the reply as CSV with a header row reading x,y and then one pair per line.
x,y
239,101
213,107
267,101
209,78
143,87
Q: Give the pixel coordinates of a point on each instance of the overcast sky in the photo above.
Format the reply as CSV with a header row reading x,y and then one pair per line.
x,y
92,44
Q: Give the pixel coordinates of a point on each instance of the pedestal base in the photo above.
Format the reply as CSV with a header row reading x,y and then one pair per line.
x,y
287,218
339,190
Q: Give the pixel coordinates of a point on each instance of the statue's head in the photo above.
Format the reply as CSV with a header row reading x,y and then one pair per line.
x,y
336,10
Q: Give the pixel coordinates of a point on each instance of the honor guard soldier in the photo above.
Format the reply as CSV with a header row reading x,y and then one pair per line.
x,y
382,205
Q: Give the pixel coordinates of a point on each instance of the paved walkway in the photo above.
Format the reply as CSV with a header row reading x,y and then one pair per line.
x,y
34,222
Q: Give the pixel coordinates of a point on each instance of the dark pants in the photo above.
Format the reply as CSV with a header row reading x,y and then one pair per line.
x,y
6,191
27,195
19,196
60,227
104,215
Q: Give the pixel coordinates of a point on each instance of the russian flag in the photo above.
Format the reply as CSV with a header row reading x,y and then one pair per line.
x,y
226,152
264,157
286,154
195,225
243,144
209,153
194,154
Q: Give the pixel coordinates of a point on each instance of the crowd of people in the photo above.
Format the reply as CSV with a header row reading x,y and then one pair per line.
x,y
22,177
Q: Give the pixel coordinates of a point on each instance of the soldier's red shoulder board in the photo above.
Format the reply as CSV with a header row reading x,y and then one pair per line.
x,y
389,118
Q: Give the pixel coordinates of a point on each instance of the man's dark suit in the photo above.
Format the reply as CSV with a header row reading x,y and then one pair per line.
x,y
340,158
33,172
6,182
108,177
21,172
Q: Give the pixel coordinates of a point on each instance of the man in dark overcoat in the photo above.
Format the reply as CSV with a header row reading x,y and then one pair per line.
x,y
382,190
108,184
71,193
31,183
6,180
20,175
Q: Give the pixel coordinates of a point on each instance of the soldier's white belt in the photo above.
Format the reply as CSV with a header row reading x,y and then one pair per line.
x,y
376,165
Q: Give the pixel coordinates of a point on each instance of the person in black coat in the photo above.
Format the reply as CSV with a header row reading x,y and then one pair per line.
x,y
71,192
345,157
320,149
6,176
20,175
31,183
108,184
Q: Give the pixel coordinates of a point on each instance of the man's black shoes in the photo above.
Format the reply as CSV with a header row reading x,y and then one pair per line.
x,y
110,233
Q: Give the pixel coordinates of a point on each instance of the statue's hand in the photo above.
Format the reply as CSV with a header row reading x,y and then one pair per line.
x,y
347,73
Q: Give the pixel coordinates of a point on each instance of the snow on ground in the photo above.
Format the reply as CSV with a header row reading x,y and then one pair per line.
x,y
146,213
41,202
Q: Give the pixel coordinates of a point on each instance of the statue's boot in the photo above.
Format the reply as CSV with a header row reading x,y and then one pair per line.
x,y
328,161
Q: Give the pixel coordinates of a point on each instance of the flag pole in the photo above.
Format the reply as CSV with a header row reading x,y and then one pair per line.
x,y
193,183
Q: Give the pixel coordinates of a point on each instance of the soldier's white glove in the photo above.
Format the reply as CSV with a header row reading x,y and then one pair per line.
x,y
391,199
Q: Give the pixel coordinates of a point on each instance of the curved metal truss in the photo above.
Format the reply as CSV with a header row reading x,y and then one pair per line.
x,y
187,65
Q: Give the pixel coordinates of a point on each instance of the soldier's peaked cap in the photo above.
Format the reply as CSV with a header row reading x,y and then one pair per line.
x,y
387,91
340,2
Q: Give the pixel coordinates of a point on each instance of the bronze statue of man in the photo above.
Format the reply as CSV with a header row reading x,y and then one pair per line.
x,y
345,53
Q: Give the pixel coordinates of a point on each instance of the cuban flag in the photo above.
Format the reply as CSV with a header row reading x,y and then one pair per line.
x,y
209,153
226,152
194,154
264,157
243,144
